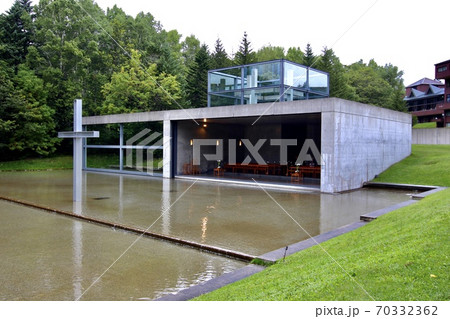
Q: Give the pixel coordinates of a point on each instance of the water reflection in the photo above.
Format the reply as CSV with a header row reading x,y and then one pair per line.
x,y
237,218
204,228
165,204
77,246
50,257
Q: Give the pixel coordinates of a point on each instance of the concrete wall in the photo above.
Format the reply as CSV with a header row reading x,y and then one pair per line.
x,y
360,141
431,136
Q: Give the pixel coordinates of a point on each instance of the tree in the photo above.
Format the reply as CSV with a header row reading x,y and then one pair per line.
x,y
369,86
16,30
267,53
197,79
339,83
138,89
295,55
309,58
219,58
26,124
190,47
69,55
245,55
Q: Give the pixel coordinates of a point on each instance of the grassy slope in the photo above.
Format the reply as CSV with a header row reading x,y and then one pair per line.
x,y
427,165
425,125
393,258
400,256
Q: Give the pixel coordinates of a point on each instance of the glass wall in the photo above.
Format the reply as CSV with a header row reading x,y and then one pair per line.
x,y
132,147
264,82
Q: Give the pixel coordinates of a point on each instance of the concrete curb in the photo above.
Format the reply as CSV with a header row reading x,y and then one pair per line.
x,y
425,194
400,186
307,243
377,213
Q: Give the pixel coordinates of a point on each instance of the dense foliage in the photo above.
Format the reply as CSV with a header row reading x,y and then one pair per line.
x,y
61,50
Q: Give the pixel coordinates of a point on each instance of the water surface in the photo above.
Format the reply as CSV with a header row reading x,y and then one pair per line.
x,y
237,218
50,257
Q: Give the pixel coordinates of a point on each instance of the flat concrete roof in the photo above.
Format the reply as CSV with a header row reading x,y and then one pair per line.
x,y
254,110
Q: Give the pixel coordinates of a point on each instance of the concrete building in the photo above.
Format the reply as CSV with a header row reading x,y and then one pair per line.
x,y
442,71
428,99
422,97
355,141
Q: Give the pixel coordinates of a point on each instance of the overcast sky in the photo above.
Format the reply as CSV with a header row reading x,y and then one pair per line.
x,y
409,34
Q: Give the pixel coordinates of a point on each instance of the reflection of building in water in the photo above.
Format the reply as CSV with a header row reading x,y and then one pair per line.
x,y
165,205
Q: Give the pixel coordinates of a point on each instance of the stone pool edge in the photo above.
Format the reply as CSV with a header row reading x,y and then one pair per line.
x,y
278,254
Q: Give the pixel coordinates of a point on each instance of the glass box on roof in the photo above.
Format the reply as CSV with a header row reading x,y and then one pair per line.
x,y
271,81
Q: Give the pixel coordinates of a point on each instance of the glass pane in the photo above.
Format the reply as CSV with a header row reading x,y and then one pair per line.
x,y
102,158
149,161
294,75
262,75
146,133
316,96
109,134
294,95
256,96
225,80
318,81
225,98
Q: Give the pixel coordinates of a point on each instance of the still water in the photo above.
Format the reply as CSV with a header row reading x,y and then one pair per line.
x,y
52,253
49,257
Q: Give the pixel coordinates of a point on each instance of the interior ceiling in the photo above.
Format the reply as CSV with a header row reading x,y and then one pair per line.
x,y
269,119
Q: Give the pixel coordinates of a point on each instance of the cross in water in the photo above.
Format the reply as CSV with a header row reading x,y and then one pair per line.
x,y
77,136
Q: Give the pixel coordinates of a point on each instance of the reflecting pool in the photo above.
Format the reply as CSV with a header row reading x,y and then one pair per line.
x,y
237,218
49,257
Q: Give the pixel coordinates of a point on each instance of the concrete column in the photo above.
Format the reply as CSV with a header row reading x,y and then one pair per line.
x,y
328,169
167,149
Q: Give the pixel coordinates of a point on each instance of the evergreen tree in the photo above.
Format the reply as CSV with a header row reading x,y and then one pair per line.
x,y
339,84
309,58
197,79
219,58
16,31
245,55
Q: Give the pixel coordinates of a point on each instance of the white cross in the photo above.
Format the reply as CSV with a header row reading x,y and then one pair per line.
x,y
77,136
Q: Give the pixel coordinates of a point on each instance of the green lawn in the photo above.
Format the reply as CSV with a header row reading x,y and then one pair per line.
x,y
425,125
62,162
427,165
400,256
57,162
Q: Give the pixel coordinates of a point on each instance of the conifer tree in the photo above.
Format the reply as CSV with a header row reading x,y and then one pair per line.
x,y
245,55
309,58
16,32
219,58
197,79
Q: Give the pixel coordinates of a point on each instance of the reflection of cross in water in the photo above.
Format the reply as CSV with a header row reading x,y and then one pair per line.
x,y
77,136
